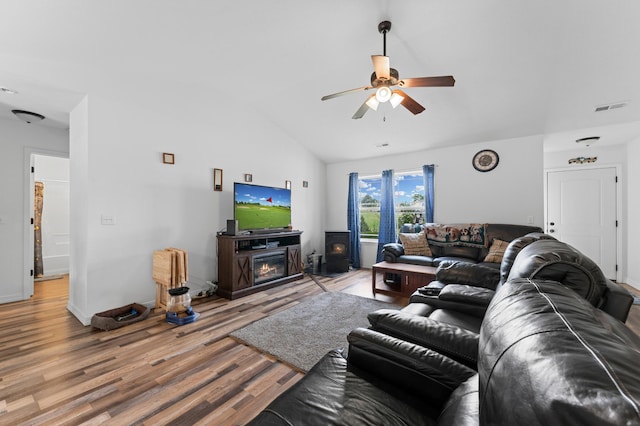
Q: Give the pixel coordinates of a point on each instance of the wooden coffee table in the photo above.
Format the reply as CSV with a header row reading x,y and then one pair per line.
x,y
411,278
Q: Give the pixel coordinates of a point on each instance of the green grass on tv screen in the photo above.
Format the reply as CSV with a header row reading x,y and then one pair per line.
x,y
256,216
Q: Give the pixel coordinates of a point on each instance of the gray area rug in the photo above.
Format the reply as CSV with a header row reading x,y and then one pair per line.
x,y
301,335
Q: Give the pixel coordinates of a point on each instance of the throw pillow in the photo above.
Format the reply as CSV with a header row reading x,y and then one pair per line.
x,y
415,244
496,251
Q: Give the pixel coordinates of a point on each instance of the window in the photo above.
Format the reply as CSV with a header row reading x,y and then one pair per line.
x,y
408,199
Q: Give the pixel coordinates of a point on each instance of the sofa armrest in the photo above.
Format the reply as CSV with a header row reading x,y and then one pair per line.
x,y
450,340
392,250
468,273
617,301
466,294
419,371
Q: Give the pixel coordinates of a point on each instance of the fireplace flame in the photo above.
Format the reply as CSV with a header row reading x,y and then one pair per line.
x,y
265,270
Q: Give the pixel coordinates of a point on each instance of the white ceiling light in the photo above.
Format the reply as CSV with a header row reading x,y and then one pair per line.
x,y
383,94
588,141
373,103
396,99
27,116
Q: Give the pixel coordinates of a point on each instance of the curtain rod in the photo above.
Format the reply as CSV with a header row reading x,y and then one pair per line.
x,y
366,175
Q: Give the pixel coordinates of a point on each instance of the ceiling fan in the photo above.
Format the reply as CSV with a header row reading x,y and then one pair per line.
x,y
384,78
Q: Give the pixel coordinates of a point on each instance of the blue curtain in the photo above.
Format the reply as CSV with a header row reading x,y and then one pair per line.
x,y
427,171
353,221
387,233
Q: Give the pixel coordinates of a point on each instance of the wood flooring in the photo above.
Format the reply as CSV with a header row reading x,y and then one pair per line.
x,y
55,371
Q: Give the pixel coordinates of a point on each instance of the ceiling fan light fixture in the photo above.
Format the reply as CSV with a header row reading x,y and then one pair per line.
x,y
373,103
396,99
383,94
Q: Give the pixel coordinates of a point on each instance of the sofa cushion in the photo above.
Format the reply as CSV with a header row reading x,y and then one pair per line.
x,y
415,260
330,394
549,357
415,244
496,251
447,339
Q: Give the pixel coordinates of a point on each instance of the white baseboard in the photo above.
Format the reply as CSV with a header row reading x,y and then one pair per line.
x,y
12,298
78,314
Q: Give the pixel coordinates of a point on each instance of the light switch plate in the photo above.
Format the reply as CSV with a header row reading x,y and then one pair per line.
x,y
107,219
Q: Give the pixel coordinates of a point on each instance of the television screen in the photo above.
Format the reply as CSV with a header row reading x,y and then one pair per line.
x,y
261,207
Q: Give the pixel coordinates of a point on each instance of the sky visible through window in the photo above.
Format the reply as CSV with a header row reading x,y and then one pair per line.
x,y
405,188
408,198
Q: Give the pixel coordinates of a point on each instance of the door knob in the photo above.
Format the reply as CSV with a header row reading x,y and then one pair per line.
x,y
551,231
551,223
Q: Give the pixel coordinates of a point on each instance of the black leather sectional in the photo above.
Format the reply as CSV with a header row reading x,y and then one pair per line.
x,y
549,347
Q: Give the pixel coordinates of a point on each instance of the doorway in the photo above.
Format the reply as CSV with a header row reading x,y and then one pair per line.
x,y
47,239
582,211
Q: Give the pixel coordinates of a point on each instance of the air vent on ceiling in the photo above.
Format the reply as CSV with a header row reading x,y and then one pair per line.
x,y
615,105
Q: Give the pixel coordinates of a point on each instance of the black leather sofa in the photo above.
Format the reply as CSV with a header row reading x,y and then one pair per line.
x,y
450,322
395,253
546,355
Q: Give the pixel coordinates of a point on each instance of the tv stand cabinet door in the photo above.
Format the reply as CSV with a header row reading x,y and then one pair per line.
x,y
242,273
294,259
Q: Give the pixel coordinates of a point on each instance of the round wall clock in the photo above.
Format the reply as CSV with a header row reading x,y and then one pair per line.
x,y
485,160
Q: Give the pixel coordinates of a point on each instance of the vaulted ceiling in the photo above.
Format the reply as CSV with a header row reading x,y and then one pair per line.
x,y
521,68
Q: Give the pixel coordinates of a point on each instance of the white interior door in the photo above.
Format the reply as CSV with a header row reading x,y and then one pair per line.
x,y
581,211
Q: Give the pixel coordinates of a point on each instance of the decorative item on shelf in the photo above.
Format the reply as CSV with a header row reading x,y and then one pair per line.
x,y
305,184
583,160
485,160
287,184
168,158
588,141
217,179
248,177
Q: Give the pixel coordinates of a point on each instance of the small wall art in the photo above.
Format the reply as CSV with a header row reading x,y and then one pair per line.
x,y
168,158
248,177
217,179
305,184
287,184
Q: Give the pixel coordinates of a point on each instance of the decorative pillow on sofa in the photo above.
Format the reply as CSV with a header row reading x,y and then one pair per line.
x,y
496,251
415,244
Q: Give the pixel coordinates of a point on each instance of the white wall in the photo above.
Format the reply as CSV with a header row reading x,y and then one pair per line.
x,y
511,193
53,172
17,141
633,214
116,149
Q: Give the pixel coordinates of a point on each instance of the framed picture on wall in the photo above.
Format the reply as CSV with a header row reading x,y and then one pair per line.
x,y
167,158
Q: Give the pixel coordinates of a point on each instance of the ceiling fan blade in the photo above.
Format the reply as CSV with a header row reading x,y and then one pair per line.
x,y
409,103
446,80
381,66
363,109
346,92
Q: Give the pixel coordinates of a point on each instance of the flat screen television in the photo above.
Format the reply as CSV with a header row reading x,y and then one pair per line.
x,y
257,207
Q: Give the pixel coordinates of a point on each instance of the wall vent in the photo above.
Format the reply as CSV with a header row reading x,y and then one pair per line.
x,y
615,105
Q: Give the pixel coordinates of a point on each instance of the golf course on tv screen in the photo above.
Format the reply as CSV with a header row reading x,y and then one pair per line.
x,y
261,207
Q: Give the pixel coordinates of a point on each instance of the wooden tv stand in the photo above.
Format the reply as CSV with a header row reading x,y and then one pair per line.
x,y
237,255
